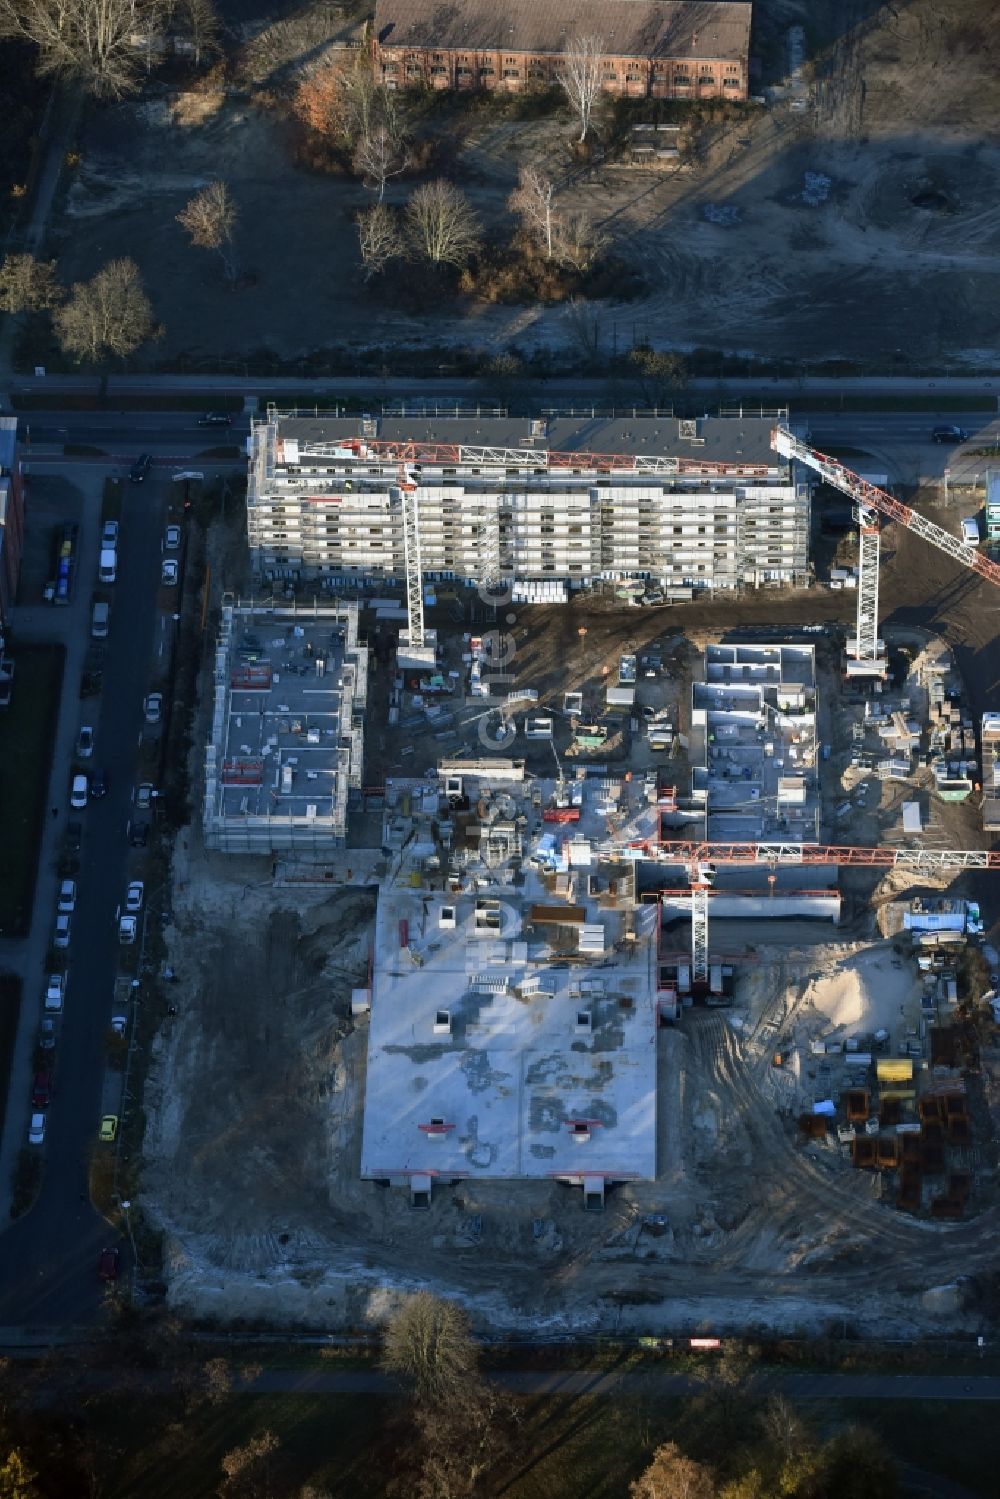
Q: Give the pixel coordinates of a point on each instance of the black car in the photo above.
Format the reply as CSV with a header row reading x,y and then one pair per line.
x,y
98,784
138,835
74,836
140,468
949,434
215,419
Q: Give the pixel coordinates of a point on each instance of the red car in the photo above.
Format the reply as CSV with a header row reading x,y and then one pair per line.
x,y
107,1264
41,1091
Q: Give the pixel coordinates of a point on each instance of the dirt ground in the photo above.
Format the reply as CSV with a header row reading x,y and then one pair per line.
x,y
255,1098
894,118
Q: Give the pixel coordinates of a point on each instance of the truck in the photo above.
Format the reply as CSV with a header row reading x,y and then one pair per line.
x,y
627,671
108,568
65,563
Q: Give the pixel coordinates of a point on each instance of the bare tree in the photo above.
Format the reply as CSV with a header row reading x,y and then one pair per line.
x,y
578,241
345,100
379,156
584,320
428,1341
581,77
533,201
379,239
210,219
108,315
442,225
199,22
28,285
89,40
671,1475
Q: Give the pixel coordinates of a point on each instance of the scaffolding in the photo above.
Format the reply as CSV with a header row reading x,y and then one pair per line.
x,y
410,506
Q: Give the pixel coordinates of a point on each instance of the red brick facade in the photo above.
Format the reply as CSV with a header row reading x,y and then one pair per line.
x,y
669,50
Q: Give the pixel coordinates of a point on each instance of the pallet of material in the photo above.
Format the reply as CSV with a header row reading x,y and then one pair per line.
x,y
889,1111
959,1132
864,1153
888,1152
959,1185
813,1126
857,1105
908,1197
946,1207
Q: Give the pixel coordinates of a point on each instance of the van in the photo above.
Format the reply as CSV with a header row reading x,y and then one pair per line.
x,y
108,569
970,531
99,618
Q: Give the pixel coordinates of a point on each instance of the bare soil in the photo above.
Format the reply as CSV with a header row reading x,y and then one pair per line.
x,y
896,259
256,1090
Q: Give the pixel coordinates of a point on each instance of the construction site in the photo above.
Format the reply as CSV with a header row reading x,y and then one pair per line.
x,y
642,945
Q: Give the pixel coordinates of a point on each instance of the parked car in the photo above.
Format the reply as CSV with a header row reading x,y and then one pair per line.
x,y
169,573
108,1262
36,1130
61,935
55,991
140,468
47,1034
6,681
118,1024
41,1090
126,930
78,793
145,794
109,534
85,743
109,1129
67,896
949,434
138,834
172,538
215,419
133,896
74,836
152,707
98,785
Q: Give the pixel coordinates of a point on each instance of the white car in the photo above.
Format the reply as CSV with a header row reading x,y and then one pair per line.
x,y
133,896
126,930
152,707
36,1130
61,935
85,743
118,1024
168,573
55,991
78,793
172,538
67,896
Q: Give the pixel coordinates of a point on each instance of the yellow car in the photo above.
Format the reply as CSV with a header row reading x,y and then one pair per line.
x,y
109,1128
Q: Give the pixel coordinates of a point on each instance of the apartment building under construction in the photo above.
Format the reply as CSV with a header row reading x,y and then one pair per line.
x,y
681,504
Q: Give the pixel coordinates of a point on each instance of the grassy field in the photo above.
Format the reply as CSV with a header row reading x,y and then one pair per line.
x,y
27,731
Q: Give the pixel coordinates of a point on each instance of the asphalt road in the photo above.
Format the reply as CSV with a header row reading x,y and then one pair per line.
x,y
48,1258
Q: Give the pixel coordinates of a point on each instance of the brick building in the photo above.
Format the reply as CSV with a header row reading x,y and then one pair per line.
x,y
661,49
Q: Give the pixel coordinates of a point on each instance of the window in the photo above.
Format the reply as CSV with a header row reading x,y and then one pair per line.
x,y
486,72
730,83
463,72
438,70
512,72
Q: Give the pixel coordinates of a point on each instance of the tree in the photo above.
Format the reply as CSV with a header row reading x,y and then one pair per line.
x,y
200,23
28,285
580,77
17,1479
578,241
90,41
855,1465
533,202
344,101
108,315
584,323
428,1342
378,156
659,373
671,1475
379,239
210,219
249,1469
442,225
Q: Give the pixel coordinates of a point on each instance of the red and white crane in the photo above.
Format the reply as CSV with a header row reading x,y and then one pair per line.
x,y
702,861
872,502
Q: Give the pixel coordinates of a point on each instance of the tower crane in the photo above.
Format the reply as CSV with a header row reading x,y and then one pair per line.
x,y
410,508
871,502
702,861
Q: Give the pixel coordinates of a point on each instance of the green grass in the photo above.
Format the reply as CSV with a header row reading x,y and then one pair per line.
x,y
27,734
10,1010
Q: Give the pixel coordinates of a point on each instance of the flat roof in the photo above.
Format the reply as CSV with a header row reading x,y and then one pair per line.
x,y
500,1055
730,439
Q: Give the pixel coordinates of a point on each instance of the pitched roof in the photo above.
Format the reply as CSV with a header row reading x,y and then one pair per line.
x,y
628,28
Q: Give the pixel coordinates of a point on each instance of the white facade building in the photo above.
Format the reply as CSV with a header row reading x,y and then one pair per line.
x,y
680,504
